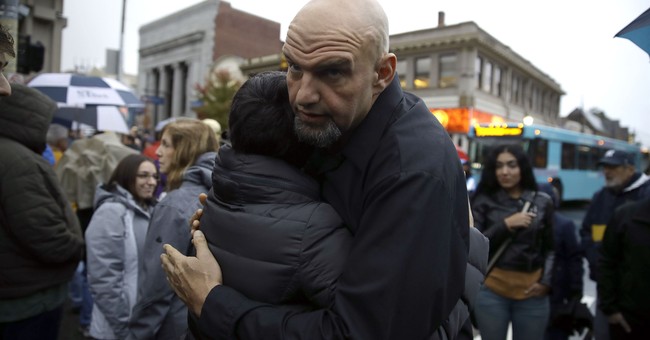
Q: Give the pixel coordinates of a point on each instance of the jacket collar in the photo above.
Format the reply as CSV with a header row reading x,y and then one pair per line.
x,y
366,136
643,214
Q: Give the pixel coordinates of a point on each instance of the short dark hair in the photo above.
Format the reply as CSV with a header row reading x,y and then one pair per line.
x,y
489,183
261,120
126,172
6,42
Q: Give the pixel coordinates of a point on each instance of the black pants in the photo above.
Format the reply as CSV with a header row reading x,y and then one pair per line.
x,y
640,331
44,326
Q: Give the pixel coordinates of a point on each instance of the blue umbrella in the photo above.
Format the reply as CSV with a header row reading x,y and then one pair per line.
x,y
638,31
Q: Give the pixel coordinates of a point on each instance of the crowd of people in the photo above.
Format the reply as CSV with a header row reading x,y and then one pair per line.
x,y
337,208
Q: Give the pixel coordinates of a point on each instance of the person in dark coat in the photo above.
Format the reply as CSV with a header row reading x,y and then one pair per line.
x,y
623,293
388,168
264,218
518,219
40,238
623,184
566,282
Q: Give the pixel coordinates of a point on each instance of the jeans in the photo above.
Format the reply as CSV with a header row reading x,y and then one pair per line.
x,y
87,300
75,289
494,313
601,324
44,326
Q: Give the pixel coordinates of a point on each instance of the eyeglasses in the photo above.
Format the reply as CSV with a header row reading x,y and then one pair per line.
x,y
145,175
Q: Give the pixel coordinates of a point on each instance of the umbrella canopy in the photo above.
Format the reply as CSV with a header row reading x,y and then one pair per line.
x,y
79,90
638,31
102,118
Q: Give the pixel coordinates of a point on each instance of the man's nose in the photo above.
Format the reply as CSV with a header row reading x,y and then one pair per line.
x,y
308,90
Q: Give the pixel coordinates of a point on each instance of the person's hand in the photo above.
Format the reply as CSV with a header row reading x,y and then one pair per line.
x,y
618,319
192,278
195,222
537,290
519,220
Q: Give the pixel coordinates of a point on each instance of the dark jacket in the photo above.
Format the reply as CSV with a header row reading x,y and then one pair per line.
x,y
400,189
275,240
567,269
40,239
601,209
532,247
158,312
625,263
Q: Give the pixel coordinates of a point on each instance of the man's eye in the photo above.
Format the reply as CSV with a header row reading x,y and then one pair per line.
x,y
294,68
333,73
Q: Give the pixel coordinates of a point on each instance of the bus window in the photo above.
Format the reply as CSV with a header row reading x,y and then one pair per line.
x,y
596,154
583,157
568,156
538,153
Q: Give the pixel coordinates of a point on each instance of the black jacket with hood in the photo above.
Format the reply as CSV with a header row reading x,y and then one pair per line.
x,y
40,239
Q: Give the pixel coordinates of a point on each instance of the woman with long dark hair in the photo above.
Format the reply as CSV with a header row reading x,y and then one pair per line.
x,y
518,220
114,243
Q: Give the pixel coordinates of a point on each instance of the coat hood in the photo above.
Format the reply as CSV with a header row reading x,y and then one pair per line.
x,y
25,116
104,194
201,172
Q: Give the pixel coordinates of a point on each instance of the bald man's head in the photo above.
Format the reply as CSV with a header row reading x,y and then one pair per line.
x,y
363,22
339,64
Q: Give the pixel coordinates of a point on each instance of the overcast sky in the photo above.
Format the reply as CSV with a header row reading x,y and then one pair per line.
x,y
572,41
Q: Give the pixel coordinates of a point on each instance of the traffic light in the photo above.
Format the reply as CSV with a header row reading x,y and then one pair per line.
x,y
30,55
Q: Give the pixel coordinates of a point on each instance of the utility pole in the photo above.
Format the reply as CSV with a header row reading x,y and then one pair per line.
x,y
120,55
9,19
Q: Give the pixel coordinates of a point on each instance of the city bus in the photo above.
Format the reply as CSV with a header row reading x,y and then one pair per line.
x,y
566,159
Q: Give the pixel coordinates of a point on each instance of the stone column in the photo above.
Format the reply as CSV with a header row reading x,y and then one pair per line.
x,y
177,91
162,92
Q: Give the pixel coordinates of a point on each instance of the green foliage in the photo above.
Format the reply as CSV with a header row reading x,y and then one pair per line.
x,y
216,95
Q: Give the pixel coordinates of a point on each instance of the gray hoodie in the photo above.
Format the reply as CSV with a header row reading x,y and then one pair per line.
x,y
159,313
114,238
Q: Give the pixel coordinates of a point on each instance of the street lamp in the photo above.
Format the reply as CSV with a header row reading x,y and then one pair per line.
x,y
528,120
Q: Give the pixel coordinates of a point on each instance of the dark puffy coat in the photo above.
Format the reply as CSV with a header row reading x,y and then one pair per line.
x,y
625,263
275,240
532,247
40,239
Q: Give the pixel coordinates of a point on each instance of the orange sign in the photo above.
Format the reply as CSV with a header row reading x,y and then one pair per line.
x,y
458,120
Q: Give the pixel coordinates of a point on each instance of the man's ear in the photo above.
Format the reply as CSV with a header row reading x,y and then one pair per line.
x,y
385,72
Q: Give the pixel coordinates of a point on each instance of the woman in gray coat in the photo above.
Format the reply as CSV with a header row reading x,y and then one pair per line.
x,y
114,243
186,155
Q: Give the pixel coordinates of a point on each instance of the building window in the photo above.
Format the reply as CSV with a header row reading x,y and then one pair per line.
x,y
448,70
516,89
487,77
496,90
401,72
478,78
422,72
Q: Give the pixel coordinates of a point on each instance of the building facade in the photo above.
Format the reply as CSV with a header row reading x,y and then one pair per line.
x,y
180,50
42,21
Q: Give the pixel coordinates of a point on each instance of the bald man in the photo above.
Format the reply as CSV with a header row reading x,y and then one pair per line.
x,y
390,171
